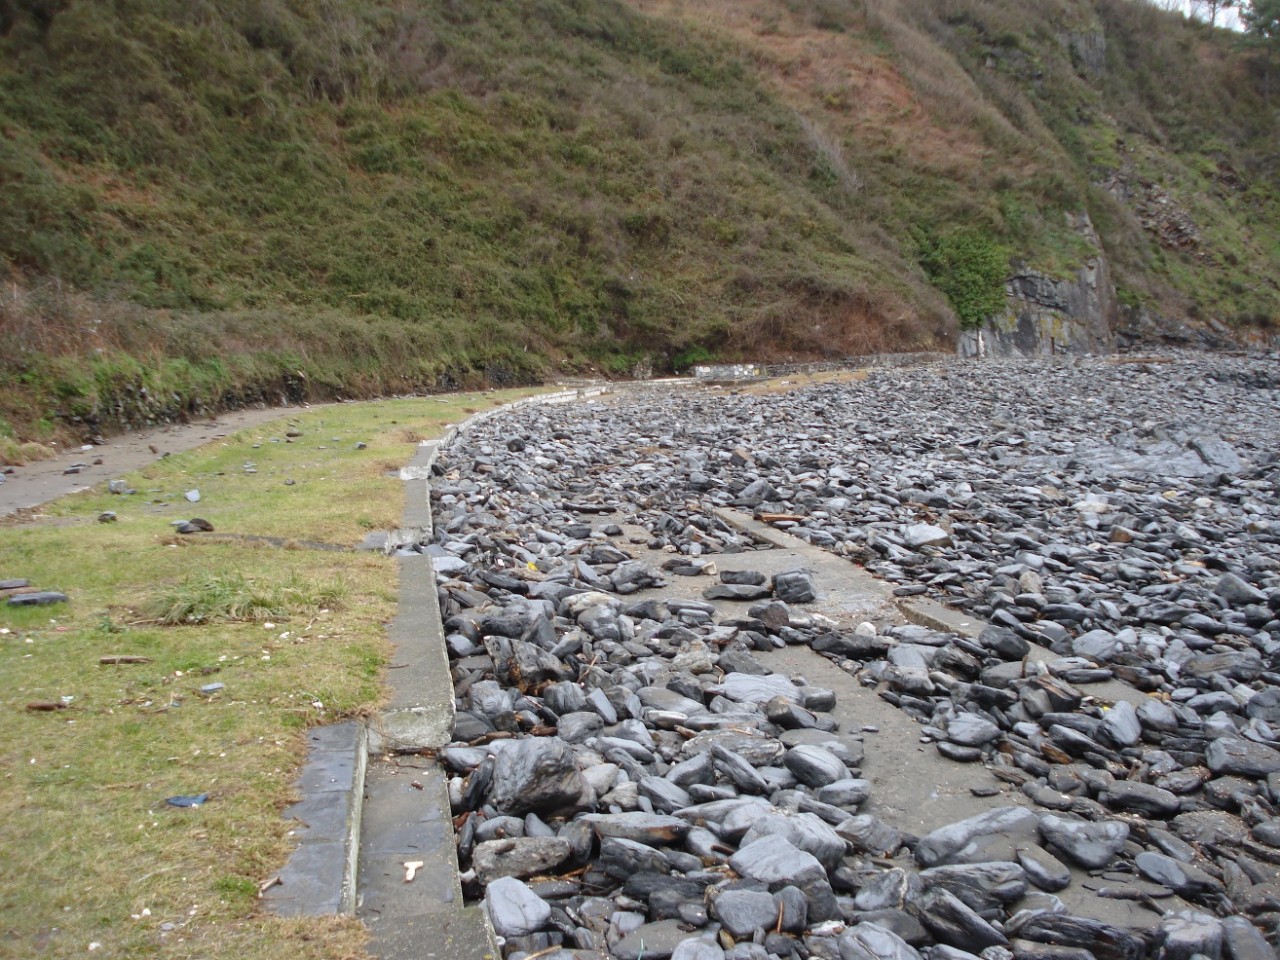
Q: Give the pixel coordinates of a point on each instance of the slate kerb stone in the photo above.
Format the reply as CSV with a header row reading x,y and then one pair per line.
x,y
320,877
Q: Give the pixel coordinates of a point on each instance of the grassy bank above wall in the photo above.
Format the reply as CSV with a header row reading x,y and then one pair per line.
x,y
225,201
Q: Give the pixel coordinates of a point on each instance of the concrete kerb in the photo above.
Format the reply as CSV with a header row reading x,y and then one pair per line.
x,y
420,715
404,825
320,877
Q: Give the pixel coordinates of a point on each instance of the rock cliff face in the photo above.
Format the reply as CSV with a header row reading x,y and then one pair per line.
x,y
1049,315
1088,50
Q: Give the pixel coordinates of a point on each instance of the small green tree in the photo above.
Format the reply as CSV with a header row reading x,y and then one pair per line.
x,y
970,267
1261,20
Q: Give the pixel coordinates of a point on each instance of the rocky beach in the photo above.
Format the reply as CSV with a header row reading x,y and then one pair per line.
x,y
679,734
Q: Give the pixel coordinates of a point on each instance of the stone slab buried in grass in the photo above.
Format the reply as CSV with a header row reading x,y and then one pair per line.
x,y
41,598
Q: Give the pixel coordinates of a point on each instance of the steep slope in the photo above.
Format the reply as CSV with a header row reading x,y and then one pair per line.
x,y
1011,122
208,203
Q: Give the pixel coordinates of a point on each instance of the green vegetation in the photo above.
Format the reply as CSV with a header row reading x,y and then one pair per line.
x,y
103,858
1159,128
231,201
231,596
970,268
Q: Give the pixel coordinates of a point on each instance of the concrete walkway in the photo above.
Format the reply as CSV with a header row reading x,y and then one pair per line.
x,y
410,896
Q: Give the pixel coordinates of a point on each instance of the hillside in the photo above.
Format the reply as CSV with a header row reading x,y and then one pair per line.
x,y
210,203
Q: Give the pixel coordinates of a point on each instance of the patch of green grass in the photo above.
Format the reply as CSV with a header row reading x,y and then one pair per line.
x,y
105,860
231,596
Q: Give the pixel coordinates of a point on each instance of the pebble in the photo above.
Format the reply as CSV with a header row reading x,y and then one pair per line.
x,y
1122,518
513,908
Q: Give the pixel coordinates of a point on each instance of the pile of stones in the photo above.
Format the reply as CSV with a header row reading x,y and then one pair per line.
x,y
632,780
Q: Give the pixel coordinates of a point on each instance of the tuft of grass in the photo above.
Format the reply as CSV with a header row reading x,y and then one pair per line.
x,y
231,596
18,453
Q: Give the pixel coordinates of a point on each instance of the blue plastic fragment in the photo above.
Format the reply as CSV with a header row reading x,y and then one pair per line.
x,y
193,800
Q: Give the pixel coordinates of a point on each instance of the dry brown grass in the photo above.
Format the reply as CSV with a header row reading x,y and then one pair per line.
x,y
51,320
850,91
16,453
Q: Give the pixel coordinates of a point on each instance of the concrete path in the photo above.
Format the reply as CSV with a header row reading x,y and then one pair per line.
x,y
914,788
409,893
43,480
319,878
417,911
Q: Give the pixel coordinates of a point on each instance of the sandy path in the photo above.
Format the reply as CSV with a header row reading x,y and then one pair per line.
x,y
46,480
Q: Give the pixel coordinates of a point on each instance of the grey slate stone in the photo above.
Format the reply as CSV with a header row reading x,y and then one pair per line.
x,y
657,940
954,922
536,775
946,843
514,909
868,834
815,766
1089,844
981,886
697,949
847,793
743,912
518,857
1120,725
795,586
775,861
802,830
1244,941
1044,869
1140,797
971,730
1233,755
870,941
1185,879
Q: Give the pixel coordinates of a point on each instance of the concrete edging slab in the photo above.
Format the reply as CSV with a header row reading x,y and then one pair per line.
x,y
319,878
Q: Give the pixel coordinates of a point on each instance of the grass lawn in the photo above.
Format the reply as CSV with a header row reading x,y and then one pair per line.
x,y
96,862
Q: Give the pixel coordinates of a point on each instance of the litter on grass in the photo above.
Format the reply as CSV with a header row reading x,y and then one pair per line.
x,y
189,800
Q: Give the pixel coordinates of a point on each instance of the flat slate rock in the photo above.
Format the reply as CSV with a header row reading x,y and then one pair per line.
x,y
951,841
518,857
41,598
514,909
1089,844
652,829
775,861
1234,755
658,940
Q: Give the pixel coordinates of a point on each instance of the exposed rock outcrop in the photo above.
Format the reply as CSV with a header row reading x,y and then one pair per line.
x,y
1048,315
1088,50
